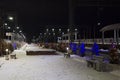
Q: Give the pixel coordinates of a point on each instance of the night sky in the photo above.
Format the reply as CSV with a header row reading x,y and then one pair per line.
x,y
34,15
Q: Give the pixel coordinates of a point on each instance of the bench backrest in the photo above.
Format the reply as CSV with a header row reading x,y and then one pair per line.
x,y
99,58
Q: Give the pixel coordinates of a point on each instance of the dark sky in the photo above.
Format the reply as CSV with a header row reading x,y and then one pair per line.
x,y
43,12
36,14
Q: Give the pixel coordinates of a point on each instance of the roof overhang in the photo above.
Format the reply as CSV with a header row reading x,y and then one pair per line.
x,y
110,27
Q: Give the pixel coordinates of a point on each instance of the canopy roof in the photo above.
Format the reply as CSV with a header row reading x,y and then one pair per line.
x,y
111,27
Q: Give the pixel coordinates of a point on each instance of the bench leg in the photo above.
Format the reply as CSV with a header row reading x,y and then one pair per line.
x,y
89,64
13,56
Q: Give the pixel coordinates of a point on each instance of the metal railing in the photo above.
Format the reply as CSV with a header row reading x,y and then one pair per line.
x,y
91,41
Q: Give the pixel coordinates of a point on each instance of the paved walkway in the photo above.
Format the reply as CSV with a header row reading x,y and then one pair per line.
x,y
49,67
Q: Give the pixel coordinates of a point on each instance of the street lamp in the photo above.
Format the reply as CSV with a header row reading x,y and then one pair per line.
x,y
68,30
44,33
75,34
6,56
75,29
98,24
53,29
20,31
59,29
17,27
47,30
5,24
9,27
10,18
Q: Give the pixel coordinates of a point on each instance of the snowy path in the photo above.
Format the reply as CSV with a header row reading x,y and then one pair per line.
x,y
49,67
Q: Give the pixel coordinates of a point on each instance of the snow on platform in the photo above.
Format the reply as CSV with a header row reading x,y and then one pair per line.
x,y
50,67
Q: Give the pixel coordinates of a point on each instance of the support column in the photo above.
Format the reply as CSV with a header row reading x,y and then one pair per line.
x,y
115,35
94,33
62,39
118,37
65,39
75,36
102,37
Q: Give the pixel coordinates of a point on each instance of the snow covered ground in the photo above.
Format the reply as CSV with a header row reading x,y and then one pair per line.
x,y
49,67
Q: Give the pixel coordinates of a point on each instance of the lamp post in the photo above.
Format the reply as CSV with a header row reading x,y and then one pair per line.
x,y
6,56
75,34
8,33
11,19
69,35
